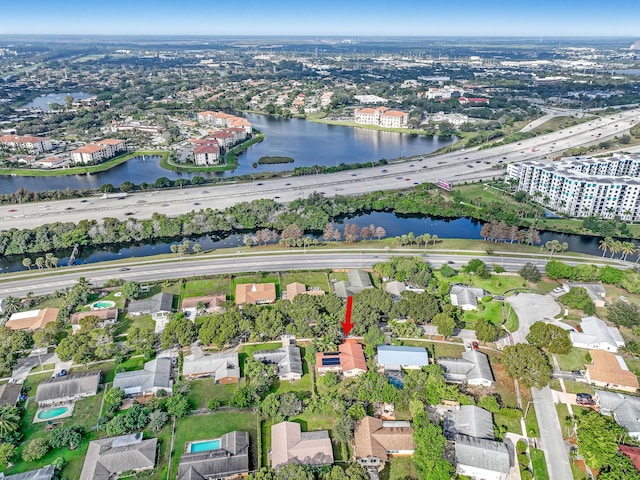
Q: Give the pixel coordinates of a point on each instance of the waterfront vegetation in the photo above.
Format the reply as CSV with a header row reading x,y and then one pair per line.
x,y
274,160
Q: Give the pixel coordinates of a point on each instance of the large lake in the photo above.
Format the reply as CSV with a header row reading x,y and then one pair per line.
x,y
307,143
393,224
42,102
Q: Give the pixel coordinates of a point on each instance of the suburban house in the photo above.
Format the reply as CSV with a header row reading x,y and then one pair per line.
x,y
473,369
109,457
482,458
223,367
210,303
376,440
44,473
396,358
595,291
230,460
395,289
159,307
294,289
32,320
610,371
478,455
287,359
596,335
348,360
10,394
624,408
255,293
291,445
107,316
70,388
155,376
358,281
465,297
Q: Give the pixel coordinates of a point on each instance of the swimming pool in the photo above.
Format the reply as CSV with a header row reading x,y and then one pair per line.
x,y
50,413
204,446
102,304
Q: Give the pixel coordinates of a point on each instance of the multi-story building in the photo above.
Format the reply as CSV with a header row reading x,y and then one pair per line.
x,y
224,120
28,143
382,117
206,153
102,150
584,186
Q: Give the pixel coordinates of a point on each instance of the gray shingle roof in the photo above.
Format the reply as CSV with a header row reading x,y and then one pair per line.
x,y
482,453
473,365
60,388
625,409
107,457
287,358
464,295
161,302
595,331
44,473
9,394
358,281
232,458
156,374
469,420
220,365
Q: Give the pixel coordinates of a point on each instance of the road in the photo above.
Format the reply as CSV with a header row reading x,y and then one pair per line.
x,y
531,308
551,440
147,270
455,167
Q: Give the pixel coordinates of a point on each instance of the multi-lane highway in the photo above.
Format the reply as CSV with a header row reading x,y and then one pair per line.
x,y
146,270
455,167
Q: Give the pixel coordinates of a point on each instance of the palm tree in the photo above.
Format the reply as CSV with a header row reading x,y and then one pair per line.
x,y
564,246
605,244
40,263
434,239
9,420
27,263
12,305
627,248
553,246
638,253
616,247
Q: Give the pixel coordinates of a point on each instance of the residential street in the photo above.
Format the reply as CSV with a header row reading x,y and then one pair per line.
x,y
551,440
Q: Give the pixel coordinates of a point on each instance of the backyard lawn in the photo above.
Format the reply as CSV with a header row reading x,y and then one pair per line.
x,y
492,311
310,279
400,468
205,389
201,288
574,360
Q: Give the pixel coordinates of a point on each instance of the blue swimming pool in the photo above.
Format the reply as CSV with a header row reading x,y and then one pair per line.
x,y
204,446
52,413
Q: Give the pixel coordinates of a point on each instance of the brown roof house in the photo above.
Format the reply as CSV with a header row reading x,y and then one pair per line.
x,y
294,289
255,293
211,303
290,445
109,457
107,316
32,320
610,371
348,360
70,388
376,440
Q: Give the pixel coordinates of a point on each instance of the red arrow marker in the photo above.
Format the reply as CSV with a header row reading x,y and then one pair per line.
x,y
347,325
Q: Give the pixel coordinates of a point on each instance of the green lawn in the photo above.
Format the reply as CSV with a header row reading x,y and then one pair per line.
x,y
440,349
492,311
633,364
399,468
574,360
531,422
512,424
578,387
310,279
201,288
496,284
205,389
539,464
203,427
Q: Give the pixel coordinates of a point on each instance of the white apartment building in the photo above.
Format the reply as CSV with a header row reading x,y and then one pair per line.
x,y
223,120
455,119
584,186
382,117
101,150
29,143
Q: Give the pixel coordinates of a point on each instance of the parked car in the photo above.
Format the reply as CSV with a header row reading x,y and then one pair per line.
x,y
584,399
475,345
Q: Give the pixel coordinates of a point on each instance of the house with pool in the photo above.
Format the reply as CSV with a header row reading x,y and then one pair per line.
x,y
68,389
107,316
155,376
219,458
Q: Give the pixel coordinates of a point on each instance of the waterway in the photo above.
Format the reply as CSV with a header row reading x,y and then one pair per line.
x,y
308,143
394,225
42,102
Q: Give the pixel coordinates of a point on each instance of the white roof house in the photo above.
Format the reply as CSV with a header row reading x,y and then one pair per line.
x,y
392,357
224,367
624,408
465,297
156,375
473,369
596,335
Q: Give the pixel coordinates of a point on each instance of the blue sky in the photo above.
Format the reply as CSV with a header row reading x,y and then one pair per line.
x,y
324,17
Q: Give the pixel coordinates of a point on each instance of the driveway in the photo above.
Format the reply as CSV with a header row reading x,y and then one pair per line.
x,y
551,441
531,308
25,365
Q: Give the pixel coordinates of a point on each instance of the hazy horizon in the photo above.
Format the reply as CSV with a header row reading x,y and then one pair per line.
x,y
371,18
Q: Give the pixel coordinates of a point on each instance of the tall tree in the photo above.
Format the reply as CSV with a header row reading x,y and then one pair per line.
x,y
528,364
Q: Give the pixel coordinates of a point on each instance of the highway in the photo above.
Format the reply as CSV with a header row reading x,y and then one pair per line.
x,y
147,270
455,167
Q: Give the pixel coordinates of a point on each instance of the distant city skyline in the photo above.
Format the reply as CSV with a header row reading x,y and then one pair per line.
x,y
329,17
